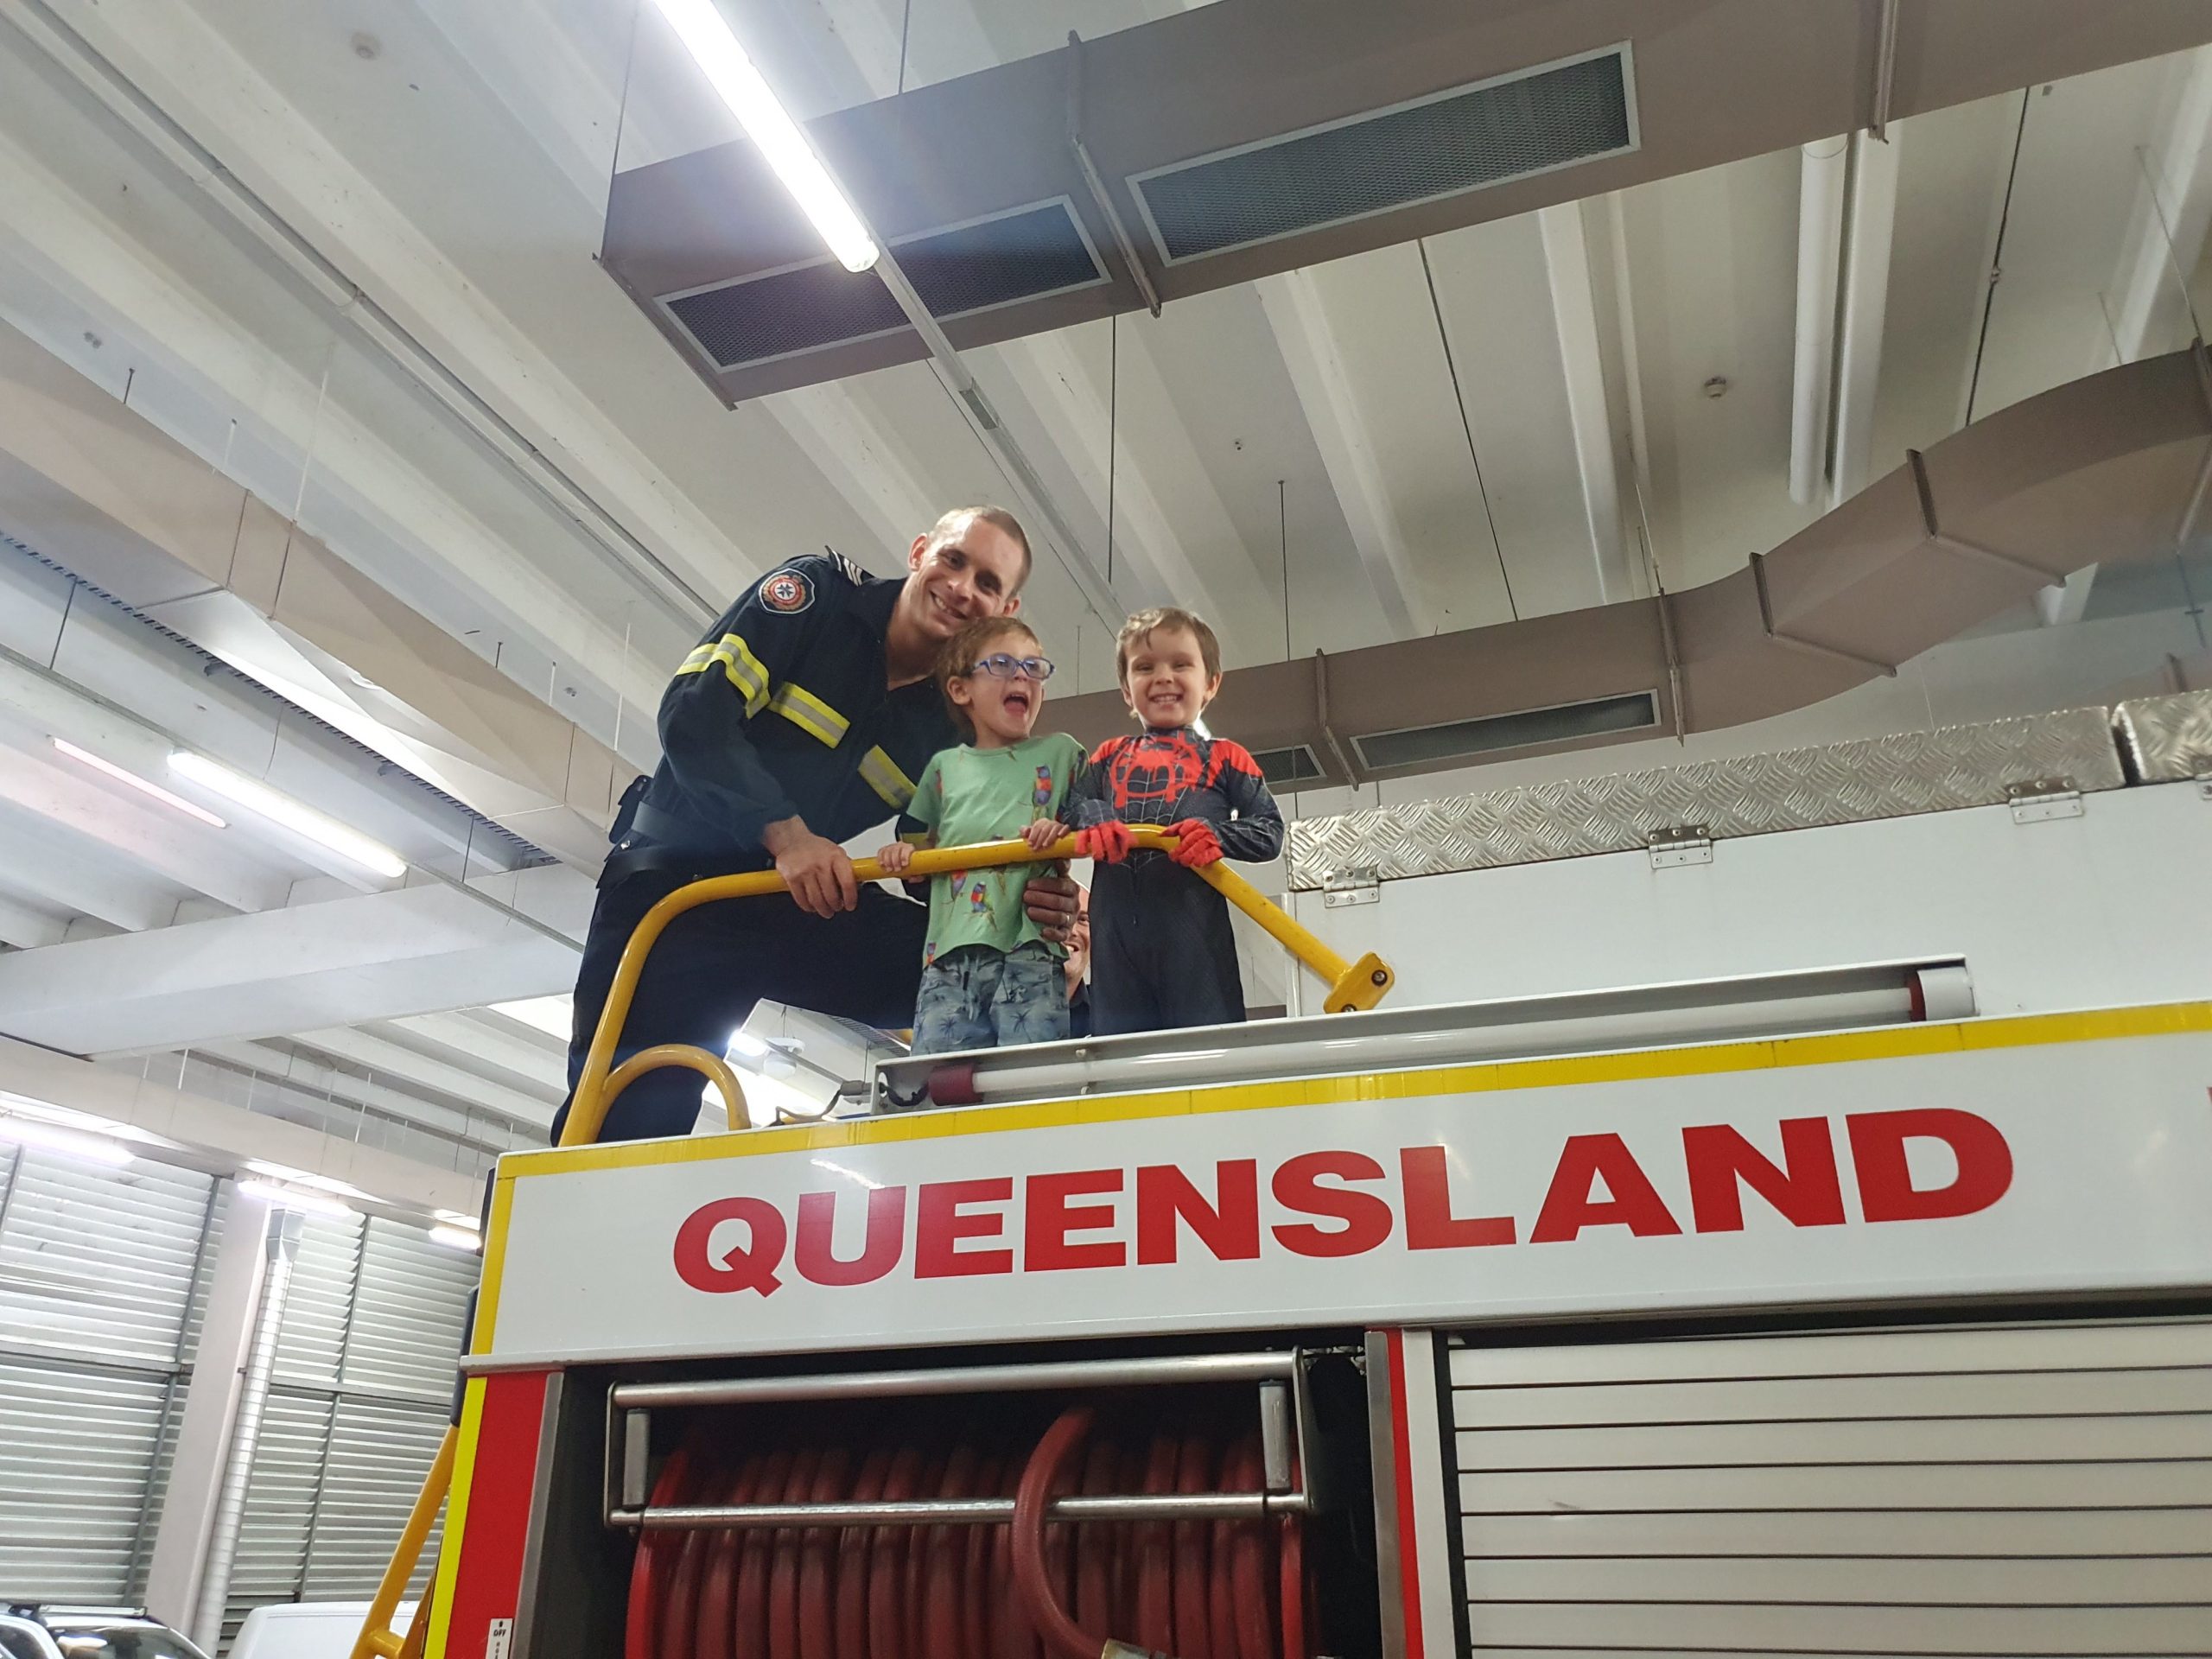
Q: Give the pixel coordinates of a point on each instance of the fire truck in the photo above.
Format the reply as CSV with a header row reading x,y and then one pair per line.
x,y
1771,1211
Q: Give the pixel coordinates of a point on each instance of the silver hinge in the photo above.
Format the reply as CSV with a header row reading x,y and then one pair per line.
x,y
2041,799
2204,784
1679,844
1357,886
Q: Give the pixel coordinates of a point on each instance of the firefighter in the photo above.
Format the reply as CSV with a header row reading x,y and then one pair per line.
x,y
801,719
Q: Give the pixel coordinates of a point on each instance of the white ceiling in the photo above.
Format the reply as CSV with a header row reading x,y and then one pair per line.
x,y
1397,433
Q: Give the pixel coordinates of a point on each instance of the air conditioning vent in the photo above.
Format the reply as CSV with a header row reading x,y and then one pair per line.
x,y
1025,253
1470,739
1466,138
1295,765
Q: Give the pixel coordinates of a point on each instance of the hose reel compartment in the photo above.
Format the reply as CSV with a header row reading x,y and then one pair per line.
x,y
1186,1504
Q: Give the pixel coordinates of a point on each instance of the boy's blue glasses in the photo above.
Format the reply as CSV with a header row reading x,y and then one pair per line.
x,y
1000,666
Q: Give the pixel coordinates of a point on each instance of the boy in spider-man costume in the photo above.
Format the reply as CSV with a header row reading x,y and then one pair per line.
x,y
1162,953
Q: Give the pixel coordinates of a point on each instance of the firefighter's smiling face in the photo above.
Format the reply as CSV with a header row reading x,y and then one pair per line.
x,y
966,569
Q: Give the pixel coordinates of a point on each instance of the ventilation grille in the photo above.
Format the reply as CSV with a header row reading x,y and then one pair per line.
x,y
1442,145
1295,765
1023,254
1466,739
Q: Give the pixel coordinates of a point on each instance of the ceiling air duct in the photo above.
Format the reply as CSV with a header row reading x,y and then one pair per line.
x,y
2114,468
1249,136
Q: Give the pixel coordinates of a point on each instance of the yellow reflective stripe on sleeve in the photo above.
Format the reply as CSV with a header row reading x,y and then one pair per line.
x,y
740,665
809,713
881,773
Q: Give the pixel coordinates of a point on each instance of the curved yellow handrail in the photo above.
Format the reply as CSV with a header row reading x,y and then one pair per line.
x,y
376,1640
1352,985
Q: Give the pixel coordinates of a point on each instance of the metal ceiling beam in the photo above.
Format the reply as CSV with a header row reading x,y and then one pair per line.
x,y
68,875
178,850
183,89
1296,311
228,1133
342,963
1868,234
26,927
1574,314
395,1062
531,1062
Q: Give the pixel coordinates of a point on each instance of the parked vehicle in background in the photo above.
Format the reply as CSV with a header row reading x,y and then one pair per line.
x,y
31,1631
307,1630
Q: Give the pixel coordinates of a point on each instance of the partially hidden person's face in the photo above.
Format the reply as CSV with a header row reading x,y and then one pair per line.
x,y
1002,705
1165,682
1078,962
974,570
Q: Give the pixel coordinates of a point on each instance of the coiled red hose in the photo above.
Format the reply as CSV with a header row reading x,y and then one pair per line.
x,y
1033,1589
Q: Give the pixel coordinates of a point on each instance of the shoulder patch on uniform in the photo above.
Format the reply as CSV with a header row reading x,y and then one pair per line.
x,y
787,591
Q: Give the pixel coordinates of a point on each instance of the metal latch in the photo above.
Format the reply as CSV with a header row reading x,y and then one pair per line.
x,y
1358,886
1679,844
2041,799
2204,784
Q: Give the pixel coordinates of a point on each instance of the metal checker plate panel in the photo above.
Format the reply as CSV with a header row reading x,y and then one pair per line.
x,y
2168,740
1890,776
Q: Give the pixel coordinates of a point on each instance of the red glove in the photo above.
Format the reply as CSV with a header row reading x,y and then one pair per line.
x,y
1195,843
1108,842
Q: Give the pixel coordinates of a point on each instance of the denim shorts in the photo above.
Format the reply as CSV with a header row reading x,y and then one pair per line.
x,y
977,997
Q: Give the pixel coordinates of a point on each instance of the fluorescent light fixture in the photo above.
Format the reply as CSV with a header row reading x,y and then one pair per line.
x,y
554,1015
304,1199
282,809
64,1117
706,36
99,764
456,1219
285,1175
49,1137
455,1238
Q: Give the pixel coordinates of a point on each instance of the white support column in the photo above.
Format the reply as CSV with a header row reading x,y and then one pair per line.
x,y
280,1248
1865,305
1820,238
211,1403
1575,313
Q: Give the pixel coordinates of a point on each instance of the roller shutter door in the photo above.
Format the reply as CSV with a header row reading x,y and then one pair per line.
x,y
100,1268
360,1397
1990,1490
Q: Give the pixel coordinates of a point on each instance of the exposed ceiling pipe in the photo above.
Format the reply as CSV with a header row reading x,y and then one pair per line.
x,y
1867,236
1821,175
1034,499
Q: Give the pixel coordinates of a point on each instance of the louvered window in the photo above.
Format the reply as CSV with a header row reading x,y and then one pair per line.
x,y
2041,1489
101,1273
360,1395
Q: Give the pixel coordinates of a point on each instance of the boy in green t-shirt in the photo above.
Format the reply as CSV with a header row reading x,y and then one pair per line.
x,y
990,978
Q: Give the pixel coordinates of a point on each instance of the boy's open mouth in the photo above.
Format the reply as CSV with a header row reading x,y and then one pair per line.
x,y
1019,701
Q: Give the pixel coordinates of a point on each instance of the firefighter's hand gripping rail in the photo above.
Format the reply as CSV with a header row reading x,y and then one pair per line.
x,y
1353,986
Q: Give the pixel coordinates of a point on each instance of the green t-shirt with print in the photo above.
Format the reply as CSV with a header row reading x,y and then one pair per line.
x,y
966,795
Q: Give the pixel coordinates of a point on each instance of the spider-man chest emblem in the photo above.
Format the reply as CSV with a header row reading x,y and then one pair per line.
x,y
1160,773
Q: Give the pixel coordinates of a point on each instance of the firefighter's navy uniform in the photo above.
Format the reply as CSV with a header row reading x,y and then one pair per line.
x,y
782,711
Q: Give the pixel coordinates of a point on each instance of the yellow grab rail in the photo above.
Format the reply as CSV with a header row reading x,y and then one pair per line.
x,y
376,1640
1352,985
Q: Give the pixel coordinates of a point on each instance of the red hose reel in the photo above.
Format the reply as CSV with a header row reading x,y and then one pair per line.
x,y
1033,1587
